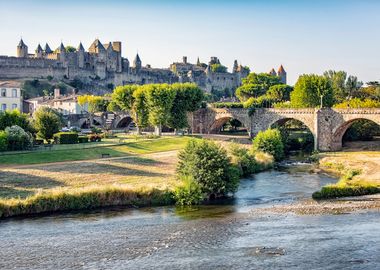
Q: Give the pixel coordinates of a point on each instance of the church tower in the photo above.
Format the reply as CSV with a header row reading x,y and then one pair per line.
x,y
22,49
282,74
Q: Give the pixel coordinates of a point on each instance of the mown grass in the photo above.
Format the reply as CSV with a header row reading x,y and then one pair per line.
x,y
136,147
86,198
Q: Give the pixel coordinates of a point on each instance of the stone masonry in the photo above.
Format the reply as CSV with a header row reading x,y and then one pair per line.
x,y
327,125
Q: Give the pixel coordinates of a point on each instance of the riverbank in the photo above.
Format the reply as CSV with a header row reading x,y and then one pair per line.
x,y
358,168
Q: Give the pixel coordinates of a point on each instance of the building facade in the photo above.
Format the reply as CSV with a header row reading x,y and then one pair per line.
x,y
10,96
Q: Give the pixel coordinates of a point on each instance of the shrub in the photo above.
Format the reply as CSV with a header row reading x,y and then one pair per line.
x,y
264,161
335,191
18,139
227,105
189,193
83,139
209,165
66,138
95,138
270,141
15,118
3,141
243,159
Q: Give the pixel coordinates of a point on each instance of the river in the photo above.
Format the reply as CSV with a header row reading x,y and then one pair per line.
x,y
224,236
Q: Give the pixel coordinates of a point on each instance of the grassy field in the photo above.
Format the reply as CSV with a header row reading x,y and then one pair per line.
x,y
72,153
138,173
357,167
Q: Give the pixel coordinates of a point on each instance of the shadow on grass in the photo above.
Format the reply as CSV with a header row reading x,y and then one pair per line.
x,y
23,180
8,193
120,167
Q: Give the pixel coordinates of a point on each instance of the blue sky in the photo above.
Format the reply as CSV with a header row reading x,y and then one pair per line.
x,y
305,36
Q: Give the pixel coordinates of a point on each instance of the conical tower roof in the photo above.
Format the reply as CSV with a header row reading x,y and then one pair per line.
x,y
39,48
47,48
281,70
61,47
80,47
21,43
137,59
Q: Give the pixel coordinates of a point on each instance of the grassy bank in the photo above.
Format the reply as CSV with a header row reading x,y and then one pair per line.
x,y
85,198
358,171
72,154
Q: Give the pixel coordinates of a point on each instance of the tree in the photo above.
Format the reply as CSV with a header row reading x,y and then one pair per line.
x,y
93,104
70,49
47,123
208,164
140,109
188,98
310,90
270,141
218,68
256,85
160,99
15,118
279,92
344,87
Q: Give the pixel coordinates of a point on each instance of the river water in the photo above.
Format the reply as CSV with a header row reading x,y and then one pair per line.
x,y
227,236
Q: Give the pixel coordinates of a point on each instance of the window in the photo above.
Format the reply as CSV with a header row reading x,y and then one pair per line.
x,y
14,93
14,106
3,92
3,107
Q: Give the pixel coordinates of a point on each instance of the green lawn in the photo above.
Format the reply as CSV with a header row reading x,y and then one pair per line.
x,y
133,147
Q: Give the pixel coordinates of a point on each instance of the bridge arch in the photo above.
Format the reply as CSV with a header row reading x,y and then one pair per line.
x,y
123,122
219,117
338,132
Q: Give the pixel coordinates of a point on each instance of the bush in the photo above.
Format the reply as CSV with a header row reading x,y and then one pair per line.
x,y
83,139
270,141
95,138
336,191
189,193
18,139
66,138
3,141
244,160
15,118
209,165
227,105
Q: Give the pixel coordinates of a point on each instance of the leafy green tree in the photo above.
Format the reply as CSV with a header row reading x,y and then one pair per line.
x,y
3,141
93,104
160,99
70,49
310,90
208,164
344,87
279,92
15,118
270,141
218,68
140,109
358,103
188,98
47,123
247,91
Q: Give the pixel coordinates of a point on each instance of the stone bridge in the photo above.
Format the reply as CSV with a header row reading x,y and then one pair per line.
x,y
119,120
327,125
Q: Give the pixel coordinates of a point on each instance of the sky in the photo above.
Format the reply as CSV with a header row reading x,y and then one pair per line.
x,y
304,36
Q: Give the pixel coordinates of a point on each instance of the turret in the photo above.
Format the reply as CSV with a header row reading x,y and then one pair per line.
x,y
39,51
80,52
22,49
62,53
236,67
198,62
282,74
137,62
272,72
47,49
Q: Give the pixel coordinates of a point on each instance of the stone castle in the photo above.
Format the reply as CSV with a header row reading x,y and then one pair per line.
x,y
103,64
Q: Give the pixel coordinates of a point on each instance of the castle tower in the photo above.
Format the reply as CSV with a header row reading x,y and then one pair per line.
x,y
198,62
117,48
62,54
22,49
81,52
137,62
39,51
282,74
236,67
47,49
272,72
